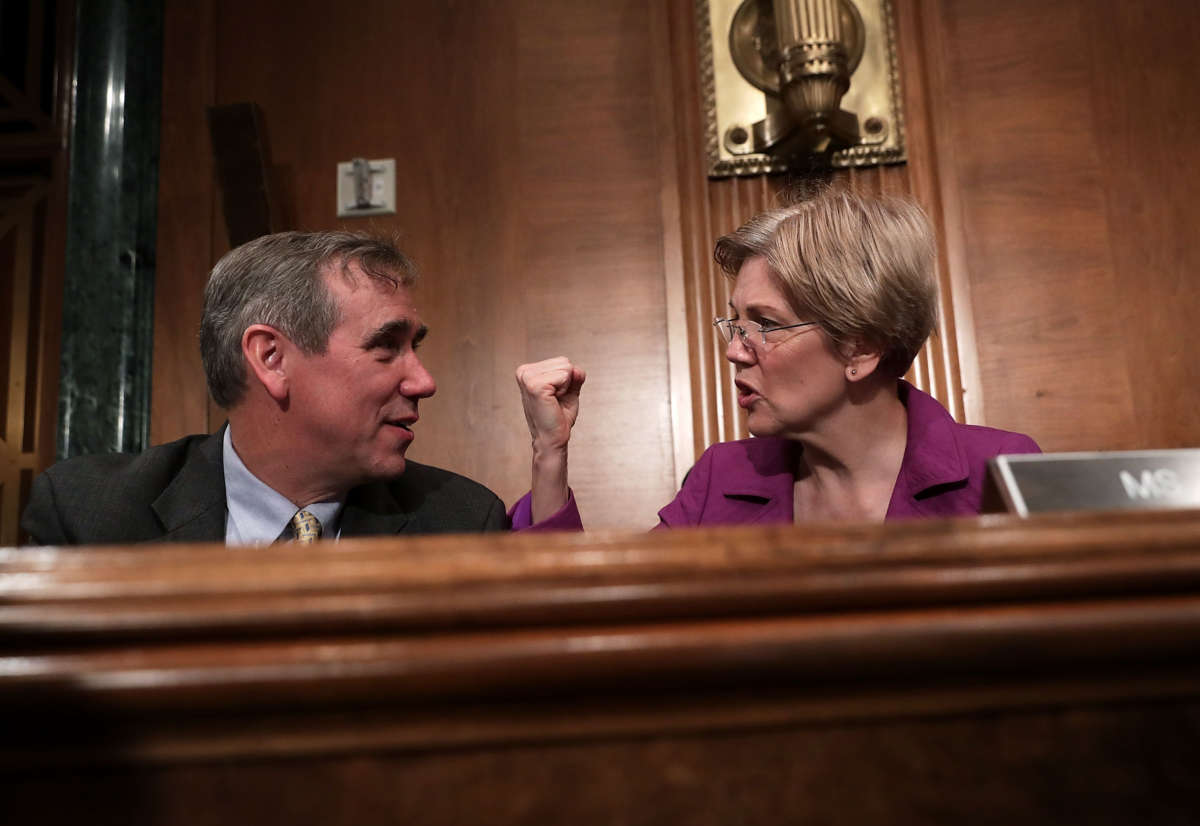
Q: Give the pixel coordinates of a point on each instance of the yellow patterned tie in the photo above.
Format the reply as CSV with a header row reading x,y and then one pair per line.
x,y
306,527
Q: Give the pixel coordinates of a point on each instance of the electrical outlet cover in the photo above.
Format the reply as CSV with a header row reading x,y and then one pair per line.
x,y
382,189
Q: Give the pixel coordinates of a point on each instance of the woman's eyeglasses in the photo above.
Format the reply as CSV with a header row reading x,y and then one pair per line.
x,y
745,329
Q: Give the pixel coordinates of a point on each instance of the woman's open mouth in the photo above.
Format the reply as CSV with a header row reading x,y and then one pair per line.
x,y
746,395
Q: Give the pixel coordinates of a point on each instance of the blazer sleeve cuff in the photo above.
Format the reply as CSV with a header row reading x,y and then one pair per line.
x,y
565,518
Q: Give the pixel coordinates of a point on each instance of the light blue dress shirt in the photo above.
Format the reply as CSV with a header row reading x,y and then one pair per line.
x,y
256,514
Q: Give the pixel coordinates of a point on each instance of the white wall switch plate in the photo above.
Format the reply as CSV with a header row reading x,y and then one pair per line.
x,y
366,187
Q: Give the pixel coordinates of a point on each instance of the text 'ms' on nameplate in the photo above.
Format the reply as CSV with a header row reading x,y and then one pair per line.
x,y
1038,482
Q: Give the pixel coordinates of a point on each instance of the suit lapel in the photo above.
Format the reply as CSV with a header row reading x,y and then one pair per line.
x,y
763,494
933,458
192,507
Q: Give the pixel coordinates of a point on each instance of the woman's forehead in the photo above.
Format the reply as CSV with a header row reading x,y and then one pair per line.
x,y
755,289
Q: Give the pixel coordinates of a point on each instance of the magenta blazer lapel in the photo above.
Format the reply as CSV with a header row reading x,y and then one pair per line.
x,y
736,483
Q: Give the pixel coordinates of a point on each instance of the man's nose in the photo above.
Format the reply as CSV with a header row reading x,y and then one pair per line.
x,y
418,383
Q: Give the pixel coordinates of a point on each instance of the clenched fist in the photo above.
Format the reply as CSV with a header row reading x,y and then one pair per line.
x,y
550,397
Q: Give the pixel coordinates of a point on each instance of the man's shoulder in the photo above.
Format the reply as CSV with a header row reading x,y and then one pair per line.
x,y
436,479
439,500
141,470
103,498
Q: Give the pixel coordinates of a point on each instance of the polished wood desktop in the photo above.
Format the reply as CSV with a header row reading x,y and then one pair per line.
x,y
989,670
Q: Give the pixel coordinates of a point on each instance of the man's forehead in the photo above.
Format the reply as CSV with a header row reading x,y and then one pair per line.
x,y
372,303
352,275
352,281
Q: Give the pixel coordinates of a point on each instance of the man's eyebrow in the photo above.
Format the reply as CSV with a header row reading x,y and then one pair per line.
x,y
393,330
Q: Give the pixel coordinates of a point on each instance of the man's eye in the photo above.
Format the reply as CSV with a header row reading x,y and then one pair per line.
x,y
385,348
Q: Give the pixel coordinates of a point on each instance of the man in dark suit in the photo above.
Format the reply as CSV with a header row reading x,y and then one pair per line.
x,y
309,342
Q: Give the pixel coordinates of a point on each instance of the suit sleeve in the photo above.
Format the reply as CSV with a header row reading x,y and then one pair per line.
x,y
41,519
567,517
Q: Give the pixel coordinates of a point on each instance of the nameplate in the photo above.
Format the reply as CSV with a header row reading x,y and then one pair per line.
x,y
1034,483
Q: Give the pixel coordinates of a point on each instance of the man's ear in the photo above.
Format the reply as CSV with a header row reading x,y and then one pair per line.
x,y
263,348
862,360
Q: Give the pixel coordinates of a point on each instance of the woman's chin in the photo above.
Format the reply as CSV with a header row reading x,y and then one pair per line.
x,y
762,426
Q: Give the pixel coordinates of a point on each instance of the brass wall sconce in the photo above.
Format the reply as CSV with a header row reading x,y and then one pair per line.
x,y
792,83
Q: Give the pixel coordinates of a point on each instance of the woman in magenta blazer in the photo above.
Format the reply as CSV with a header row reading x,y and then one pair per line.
x,y
832,299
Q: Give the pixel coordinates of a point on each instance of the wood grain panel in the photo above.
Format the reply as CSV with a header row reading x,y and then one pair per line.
x,y
186,200
1144,68
35,108
16,260
1074,208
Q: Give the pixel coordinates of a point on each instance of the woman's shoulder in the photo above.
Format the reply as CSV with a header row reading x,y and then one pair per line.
x,y
992,441
930,421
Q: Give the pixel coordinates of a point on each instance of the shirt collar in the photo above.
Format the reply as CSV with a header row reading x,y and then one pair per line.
x,y
257,513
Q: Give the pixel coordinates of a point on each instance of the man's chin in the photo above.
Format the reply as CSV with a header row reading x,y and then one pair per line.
x,y
387,469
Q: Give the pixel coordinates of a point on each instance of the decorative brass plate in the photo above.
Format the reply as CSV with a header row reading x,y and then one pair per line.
x,y
738,91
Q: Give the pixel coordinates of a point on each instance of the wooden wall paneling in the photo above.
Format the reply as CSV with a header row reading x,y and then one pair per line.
x,y
53,242
685,17
593,243
724,215
1064,215
186,198
674,190
1022,162
35,105
1144,65
16,260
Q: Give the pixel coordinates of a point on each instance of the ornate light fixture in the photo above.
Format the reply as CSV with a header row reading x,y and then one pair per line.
x,y
788,83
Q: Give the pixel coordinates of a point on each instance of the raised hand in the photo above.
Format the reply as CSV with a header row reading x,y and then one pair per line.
x,y
550,397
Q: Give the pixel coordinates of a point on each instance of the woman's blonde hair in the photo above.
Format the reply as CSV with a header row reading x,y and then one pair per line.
x,y
861,267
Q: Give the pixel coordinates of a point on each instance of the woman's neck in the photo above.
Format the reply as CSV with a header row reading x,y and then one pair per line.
x,y
849,465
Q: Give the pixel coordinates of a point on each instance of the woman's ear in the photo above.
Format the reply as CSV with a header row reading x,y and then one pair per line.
x,y
263,348
862,360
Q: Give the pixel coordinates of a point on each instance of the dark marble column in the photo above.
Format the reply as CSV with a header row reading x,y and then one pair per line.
x,y
108,299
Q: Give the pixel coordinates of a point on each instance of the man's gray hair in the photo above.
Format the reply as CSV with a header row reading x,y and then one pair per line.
x,y
278,280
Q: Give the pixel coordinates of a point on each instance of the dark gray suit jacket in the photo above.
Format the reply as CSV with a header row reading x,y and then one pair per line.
x,y
176,493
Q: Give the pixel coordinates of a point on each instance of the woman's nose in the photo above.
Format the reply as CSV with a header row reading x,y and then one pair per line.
x,y
739,351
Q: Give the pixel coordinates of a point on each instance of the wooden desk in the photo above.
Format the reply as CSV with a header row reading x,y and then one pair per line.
x,y
965,671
